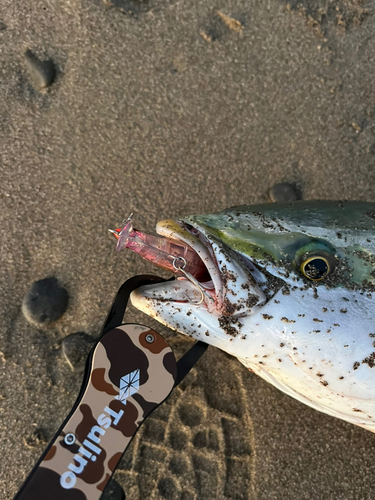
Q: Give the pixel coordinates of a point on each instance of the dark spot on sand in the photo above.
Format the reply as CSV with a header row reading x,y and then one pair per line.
x,y
282,193
42,73
356,365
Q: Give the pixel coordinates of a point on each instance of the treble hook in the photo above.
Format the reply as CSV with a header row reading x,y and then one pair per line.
x,y
191,278
117,233
113,231
129,218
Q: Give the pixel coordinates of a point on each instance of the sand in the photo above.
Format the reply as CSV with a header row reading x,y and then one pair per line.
x,y
178,107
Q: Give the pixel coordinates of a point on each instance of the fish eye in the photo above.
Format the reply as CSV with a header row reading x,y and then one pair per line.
x,y
315,267
315,261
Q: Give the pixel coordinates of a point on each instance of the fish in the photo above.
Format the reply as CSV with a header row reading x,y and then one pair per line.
x,y
288,289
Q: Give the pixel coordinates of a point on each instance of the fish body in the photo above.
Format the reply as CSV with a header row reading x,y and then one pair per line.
x,y
290,293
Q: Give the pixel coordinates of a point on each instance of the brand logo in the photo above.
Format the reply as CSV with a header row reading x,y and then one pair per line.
x,y
129,385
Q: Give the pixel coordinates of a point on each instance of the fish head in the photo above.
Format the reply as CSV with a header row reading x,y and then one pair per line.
x,y
289,291
262,259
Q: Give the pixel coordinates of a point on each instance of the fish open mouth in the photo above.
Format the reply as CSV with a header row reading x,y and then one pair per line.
x,y
200,281
209,274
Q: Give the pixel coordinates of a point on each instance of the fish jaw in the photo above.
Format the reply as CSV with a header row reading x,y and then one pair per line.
x,y
193,320
178,304
239,289
234,289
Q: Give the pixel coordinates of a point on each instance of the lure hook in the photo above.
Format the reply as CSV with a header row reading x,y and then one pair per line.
x,y
191,278
129,218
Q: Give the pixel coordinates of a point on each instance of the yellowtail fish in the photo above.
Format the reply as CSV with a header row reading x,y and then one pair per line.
x,y
288,289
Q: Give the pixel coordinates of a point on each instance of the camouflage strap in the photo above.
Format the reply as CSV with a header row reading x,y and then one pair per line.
x,y
129,373
133,370
117,311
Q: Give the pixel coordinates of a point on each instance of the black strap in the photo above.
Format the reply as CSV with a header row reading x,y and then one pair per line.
x,y
117,311
116,315
189,359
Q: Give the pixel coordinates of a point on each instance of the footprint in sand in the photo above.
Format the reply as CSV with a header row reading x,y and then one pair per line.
x,y
199,444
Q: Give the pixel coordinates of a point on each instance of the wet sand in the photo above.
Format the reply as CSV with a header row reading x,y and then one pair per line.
x,y
164,108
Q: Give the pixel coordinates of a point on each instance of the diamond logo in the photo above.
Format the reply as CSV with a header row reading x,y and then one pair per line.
x,y
129,385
